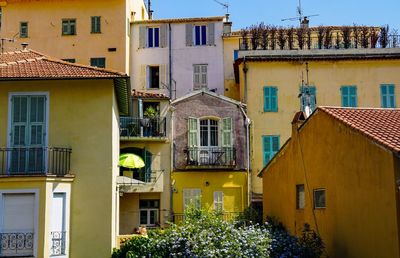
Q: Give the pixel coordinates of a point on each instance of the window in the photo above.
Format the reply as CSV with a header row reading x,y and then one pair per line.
x,y
200,35
300,200
153,37
270,147
199,76
57,224
308,98
208,132
270,99
192,197
218,200
70,60
23,30
388,98
98,62
154,77
68,27
149,212
96,24
349,96
319,199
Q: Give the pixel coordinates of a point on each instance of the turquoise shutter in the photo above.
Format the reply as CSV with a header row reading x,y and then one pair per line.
x,y
266,148
270,99
344,93
275,145
384,103
267,105
274,99
391,99
353,96
19,119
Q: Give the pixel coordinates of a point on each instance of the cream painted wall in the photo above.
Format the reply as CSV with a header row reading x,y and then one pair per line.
x,y
327,76
44,19
183,59
81,116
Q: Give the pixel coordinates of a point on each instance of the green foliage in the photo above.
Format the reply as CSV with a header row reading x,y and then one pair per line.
x,y
150,112
311,243
250,216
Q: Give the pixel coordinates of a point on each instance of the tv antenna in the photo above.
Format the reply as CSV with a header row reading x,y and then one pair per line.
x,y
224,5
300,16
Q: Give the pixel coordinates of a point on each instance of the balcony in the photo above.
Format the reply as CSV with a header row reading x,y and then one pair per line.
x,y
16,244
140,180
35,161
58,239
150,129
210,157
226,216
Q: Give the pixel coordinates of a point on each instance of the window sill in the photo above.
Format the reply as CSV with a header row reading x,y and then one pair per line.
x,y
68,34
95,32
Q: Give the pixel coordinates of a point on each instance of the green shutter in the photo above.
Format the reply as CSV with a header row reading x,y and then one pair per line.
x,y
227,132
192,132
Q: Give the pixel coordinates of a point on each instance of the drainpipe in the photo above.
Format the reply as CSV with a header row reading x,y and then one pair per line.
x,y
249,179
245,70
170,59
171,192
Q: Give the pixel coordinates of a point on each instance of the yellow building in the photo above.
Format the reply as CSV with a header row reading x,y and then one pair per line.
x,y
88,32
145,192
339,172
211,154
276,84
59,139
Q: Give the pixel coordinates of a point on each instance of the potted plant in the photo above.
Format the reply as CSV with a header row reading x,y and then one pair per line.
x,y
149,114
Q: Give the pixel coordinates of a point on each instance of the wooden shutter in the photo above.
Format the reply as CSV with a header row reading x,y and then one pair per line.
x,y
163,76
384,102
391,96
345,96
193,132
211,34
267,104
189,34
226,132
142,36
203,78
19,121
163,35
274,99
143,76
353,96
196,77
266,149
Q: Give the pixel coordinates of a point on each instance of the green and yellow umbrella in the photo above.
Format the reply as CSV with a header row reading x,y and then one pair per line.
x,y
129,160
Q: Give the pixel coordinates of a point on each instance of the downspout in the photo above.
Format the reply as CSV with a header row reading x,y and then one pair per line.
x,y
172,156
249,179
170,59
245,70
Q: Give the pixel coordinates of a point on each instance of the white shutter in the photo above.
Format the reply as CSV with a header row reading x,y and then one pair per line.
x,y
227,132
203,76
211,34
142,36
196,77
193,132
189,34
163,35
143,77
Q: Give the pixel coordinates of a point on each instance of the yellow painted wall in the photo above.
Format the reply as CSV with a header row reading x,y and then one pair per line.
x,y
233,184
231,90
327,76
360,218
44,19
78,119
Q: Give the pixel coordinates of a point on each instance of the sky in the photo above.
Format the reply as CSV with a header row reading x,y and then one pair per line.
x,y
244,13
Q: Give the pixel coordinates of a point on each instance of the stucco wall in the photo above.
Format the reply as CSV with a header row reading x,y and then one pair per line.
x,y
360,218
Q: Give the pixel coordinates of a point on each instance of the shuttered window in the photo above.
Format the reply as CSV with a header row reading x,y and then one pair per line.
x,y
192,197
23,30
388,97
96,24
68,27
270,99
226,129
349,96
270,147
200,76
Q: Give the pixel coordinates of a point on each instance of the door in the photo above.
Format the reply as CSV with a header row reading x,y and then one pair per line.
x,y
28,132
57,229
17,224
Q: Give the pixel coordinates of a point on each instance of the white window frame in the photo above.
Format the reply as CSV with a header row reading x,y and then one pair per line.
x,y
314,200
300,199
218,200
67,212
36,213
200,84
201,39
154,37
190,195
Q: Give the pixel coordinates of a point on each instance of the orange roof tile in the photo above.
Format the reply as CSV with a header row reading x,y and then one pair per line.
x,y
29,64
382,125
148,95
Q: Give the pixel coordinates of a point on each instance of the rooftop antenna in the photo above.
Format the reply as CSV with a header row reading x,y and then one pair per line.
x,y
4,40
303,19
149,9
224,5
306,98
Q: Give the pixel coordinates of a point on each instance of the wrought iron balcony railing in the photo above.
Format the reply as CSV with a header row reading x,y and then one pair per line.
x,y
16,244
211,156
226,216
35,161
58,239
133,127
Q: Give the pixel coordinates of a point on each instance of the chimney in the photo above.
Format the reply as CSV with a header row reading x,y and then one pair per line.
x,y
297,121
24,46
227,25
304,24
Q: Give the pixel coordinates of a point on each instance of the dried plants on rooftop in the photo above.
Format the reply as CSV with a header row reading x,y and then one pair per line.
x,y
264,30
320,35
374,35
273,31
300,37
364,36
356,35
244,33
328,38
346,34
254,36
290,37
282,37
384,36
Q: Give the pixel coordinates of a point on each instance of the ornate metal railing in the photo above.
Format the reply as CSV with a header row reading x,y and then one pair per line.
x,y
58,239
35,161
13,244
211,156
143,127
227,216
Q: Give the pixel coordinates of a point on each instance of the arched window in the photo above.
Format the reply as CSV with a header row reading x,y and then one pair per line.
x,y
208,132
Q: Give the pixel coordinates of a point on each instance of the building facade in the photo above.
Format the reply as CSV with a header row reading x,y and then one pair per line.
x,y
70,29
59,156
177,56
339,172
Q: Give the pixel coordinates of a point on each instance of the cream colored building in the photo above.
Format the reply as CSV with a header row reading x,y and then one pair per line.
x,y
85,31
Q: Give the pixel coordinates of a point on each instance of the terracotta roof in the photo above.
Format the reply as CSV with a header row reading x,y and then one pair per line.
x,y
381,125
29,64
148,95
181,20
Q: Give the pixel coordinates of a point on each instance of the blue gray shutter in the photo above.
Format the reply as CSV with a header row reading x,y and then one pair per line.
x,y
142,36
211,34
189,34
163,35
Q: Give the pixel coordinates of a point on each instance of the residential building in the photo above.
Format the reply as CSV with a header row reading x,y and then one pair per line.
x,y
339,172
90,32
59,139
177,56
145,192
275,84
211,154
